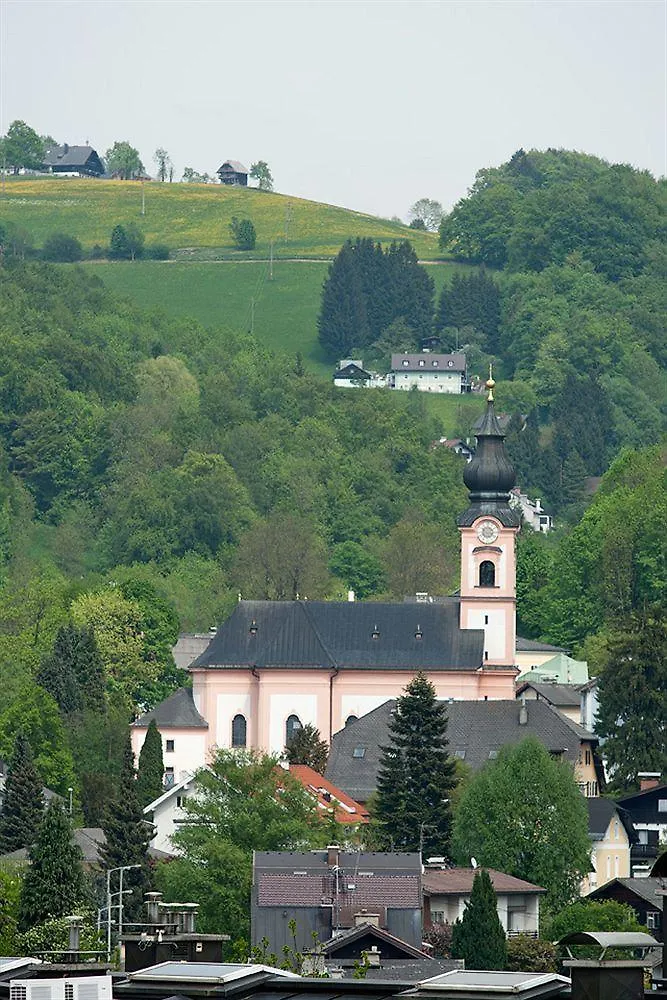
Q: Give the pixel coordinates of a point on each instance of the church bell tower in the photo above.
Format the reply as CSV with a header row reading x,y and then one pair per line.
x,y
488,538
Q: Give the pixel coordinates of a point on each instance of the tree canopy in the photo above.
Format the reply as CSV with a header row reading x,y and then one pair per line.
x,y
124,160
523,814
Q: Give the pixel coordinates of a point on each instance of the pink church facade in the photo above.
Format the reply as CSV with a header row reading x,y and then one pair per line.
x,y
276,666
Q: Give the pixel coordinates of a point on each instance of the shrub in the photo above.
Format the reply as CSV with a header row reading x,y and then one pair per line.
x,y
156,251
527,954
439,936
98,252
62,248
243,233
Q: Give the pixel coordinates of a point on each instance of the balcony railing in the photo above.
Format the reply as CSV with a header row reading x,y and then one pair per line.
x,y
644,851
513,934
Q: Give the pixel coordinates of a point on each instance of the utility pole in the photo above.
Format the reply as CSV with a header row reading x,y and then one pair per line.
x,y
271,262
252,315
143,199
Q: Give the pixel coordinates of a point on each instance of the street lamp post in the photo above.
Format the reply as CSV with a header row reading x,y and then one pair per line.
x,y
121,869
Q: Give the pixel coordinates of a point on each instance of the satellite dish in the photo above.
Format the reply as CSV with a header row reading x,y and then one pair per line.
x,y
473,862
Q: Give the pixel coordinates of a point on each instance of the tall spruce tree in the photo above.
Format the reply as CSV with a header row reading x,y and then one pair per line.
x,y
73,672
417,775
478,936
24,800
54,884
127,835
342,322
150,772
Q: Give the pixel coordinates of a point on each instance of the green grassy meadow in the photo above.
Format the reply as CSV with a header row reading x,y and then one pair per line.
x,y
194,218
221,294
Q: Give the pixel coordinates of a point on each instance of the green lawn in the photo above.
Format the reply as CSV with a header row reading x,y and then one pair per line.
x,y
194,218
221,294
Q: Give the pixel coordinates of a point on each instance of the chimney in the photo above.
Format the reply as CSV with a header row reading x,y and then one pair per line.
x,y
333,855
648,779
188,916
74,944
373,957
152,901
364,917
350,596
523,712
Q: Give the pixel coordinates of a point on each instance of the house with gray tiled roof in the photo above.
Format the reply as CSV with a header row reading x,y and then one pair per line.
x,y
81,160
334,890
477,731
184,733
564,697
233,172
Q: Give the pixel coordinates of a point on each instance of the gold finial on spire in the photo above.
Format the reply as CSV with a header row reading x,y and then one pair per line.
x,y
490,384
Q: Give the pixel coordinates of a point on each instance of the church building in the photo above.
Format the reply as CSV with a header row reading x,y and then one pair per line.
x,y
275,666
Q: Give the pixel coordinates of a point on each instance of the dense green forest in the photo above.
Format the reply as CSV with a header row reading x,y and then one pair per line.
x,y
152,469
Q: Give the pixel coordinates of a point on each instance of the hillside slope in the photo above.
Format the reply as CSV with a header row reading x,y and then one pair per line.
x,y
194,216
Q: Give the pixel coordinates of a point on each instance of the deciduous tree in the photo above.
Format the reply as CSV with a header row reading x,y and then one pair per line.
x,y
21,148
260,172
417,774
428,212
123,159
523,814
163,163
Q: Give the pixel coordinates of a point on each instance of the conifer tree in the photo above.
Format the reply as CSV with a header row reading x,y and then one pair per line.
x,y
73,672
127,834
54,884
417,775
24,801
307,747
342,322
478,936
150,772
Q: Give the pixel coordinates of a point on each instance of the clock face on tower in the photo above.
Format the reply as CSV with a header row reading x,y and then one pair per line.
x,y
487,532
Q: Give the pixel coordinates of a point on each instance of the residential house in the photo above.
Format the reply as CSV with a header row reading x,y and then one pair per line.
x,y
532,511
329,798
90,840
557,669
612,834
648,811
381,954
644,895
429,372
351,375
233,173
566,698
447,890
458,446
166,813
589,703
325,892
532,653
184,735
80,161
477,731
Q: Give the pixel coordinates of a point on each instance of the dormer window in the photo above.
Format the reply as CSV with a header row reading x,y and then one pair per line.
x,y
450,364
375,634
253,627
421,362
435,364
406,363
419,635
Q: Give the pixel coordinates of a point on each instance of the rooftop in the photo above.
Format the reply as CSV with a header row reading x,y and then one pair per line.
x,y
177,711
458,882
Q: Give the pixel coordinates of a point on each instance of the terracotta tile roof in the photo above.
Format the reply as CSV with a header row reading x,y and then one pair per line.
x,y
329,796
458,882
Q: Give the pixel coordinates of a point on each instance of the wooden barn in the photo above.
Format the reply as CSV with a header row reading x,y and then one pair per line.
x,y
234,173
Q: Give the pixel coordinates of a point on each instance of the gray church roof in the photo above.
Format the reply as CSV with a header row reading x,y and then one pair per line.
x,y
477,730
177,712
344,635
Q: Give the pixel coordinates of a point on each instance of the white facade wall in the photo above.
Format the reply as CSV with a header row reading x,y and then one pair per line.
x,y
167,818
429,381
229,705
516,911
188,755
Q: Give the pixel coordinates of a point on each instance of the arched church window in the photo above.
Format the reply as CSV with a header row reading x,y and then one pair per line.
x,y
292,726
487,574
239,731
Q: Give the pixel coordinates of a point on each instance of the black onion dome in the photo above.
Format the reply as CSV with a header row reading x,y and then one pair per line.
x,y
490,475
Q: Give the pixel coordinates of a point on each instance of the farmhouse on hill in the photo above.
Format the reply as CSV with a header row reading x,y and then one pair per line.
x,y
233,173
81,161
429,372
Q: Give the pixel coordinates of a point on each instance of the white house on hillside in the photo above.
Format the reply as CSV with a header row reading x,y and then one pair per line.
x,y
429,372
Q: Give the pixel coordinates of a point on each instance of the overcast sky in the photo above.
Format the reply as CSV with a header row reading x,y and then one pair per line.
x,y
369,105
